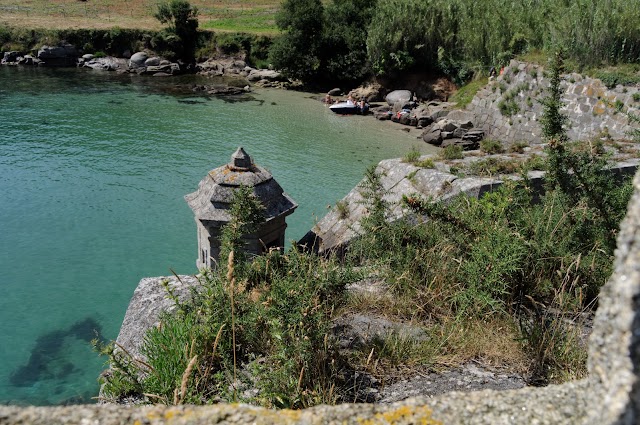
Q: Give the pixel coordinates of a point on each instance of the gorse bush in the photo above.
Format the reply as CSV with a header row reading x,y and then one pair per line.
x,y
505,255
269,318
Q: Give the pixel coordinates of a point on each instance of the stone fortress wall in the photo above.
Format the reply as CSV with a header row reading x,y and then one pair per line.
x,y
591,107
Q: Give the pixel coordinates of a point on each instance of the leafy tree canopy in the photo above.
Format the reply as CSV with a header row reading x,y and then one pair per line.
x,y
182,19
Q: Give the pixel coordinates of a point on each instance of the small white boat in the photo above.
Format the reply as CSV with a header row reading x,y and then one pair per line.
x,y
345,108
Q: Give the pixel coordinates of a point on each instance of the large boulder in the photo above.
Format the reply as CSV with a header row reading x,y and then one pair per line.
x,y
138,59
433,136
265,74
398,96
170,69
11,57
106,64
372,92
64,54
152,61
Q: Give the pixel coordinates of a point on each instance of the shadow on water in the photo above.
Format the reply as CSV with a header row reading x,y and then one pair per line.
x,y
47,359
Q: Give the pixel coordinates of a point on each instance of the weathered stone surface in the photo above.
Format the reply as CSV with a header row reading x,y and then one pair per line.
x,y
591,107
467,378
398,97
432,136
152,61
62,55
355,330
106,64
138,59
149,300
265,74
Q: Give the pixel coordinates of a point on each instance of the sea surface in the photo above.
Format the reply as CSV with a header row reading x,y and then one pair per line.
x,y
93,170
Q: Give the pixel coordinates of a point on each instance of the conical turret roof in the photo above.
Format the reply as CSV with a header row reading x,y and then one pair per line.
x,y
215,192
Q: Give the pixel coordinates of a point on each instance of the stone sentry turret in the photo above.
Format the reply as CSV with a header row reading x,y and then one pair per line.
x,y
211,202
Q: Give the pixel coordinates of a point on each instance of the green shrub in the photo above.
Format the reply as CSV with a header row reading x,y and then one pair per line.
x,y
342,207
426,163
466,93
508,107
614,78
492,166
270,317
491,146
412,156
452,152
636,97
518,147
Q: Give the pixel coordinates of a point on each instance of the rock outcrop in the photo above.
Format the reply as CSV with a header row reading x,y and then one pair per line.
x,y
398,178
149,300
64,54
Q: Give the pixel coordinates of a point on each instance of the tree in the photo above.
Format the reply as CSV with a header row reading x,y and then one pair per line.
x,y
296,52
182,34
344,43
404,33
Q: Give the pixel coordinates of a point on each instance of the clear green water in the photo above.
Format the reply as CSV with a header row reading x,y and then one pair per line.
x,y
93,170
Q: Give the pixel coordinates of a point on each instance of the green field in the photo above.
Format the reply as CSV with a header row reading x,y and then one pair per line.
x,y
256,16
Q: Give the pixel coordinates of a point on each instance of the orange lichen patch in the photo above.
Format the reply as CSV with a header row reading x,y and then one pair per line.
x,y
403,415
153,415
170,414
290,415
600,108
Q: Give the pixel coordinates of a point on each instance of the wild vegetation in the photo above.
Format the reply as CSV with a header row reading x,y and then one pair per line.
x,y
506,279
348,41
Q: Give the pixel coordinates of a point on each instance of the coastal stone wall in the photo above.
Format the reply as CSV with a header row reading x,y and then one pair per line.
x,y
609,395
398,178
508,108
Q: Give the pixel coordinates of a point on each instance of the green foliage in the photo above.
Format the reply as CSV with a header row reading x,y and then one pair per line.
x,y
491,146
412,156
452,152
442,34
270,317
425,163
342,207
504,253
114,41
181,36
613,78
344,52
636,97
508,107
466,93
493,166
246,213
297,51
518,147
553,121
402,33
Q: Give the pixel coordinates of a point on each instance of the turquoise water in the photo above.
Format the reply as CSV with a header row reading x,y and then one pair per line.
x,y
93,170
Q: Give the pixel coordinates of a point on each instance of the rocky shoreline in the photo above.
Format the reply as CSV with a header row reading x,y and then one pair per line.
x,y
506,109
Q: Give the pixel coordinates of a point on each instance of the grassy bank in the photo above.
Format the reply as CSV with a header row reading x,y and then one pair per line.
x,y
255,16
